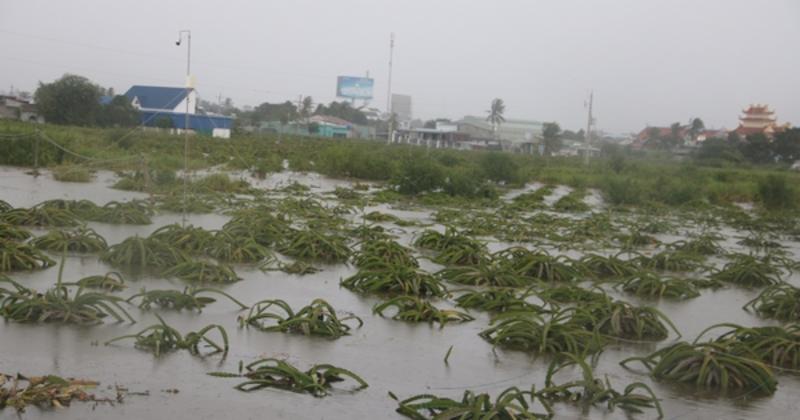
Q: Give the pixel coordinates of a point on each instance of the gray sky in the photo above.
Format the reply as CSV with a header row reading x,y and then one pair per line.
x,y
648,61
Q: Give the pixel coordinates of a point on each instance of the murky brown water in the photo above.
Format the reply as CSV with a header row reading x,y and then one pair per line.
x,y
406,359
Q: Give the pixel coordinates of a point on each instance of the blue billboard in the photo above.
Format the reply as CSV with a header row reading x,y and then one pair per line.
x,y
354,87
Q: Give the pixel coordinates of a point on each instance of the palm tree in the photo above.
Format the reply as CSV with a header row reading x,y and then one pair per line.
x,y
496,111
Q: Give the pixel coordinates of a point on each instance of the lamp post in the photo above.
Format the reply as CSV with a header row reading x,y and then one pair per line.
x,y
187,34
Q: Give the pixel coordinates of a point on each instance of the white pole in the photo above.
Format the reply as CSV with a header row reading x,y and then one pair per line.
x,y
389,90
188,34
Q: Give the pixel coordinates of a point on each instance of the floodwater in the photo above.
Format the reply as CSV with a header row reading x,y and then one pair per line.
x,y
406,359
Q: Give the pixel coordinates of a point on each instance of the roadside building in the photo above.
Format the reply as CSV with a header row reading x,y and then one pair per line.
x,y
15,108
166,107
515,135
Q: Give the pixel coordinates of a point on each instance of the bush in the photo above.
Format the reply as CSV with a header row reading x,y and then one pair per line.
x,y
71,173
417,174
499,167
775,193
622,191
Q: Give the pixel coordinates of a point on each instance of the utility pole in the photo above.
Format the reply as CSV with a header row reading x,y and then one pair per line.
x,y
389,90
188,34
588,135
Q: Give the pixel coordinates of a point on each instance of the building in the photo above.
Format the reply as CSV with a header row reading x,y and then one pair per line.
x,y
401,106
444,136
514,134
16,108
759,119
167,107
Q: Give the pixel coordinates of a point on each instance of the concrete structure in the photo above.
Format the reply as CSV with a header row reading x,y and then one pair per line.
x,y
15,108
401,106
759,119
445,135
514,134
156,103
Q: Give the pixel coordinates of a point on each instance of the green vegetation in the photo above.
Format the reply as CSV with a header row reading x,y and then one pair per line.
x,y
274,373
71,173
318,318
779,301
160,338
414,309
58,304
708,365
190,298
82,239
15,257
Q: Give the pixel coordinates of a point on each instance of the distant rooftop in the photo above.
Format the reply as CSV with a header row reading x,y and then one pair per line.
x,y
157,97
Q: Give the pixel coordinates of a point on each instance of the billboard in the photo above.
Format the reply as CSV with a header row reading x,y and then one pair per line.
x,y
354,87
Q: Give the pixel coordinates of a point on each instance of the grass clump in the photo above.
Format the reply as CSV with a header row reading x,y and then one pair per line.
x,y
708,366
71,173
203,272
236,249
135,212
589,391
142,253
193,240
317,318
546,334
572,202
496,300
623,320
538,265
749,271
414,309
489,272
311,244
15,256
110,282
275,373
39,216
82,239
606,267
509,404
395,280
379,252
58,304
13,233
190,298
779,301
160,338
650,285
452,246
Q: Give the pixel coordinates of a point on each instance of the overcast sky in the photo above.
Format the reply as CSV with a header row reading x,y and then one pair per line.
x,y
648,62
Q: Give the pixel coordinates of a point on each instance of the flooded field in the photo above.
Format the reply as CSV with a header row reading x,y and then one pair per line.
x,y
391,356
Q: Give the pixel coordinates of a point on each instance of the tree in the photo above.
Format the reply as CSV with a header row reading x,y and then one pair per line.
x,y
164,122
344,111
118,113
70,100
696,127
787,145
551,134
306,108
675,134
499,167
496,111
756,148
719,149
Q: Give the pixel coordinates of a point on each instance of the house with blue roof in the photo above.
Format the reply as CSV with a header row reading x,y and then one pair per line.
x,y
161,106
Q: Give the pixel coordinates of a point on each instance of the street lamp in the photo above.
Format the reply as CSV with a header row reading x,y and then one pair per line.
x,y
187,34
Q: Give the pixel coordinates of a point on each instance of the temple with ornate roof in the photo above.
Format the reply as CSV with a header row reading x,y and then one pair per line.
x,y
759,119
